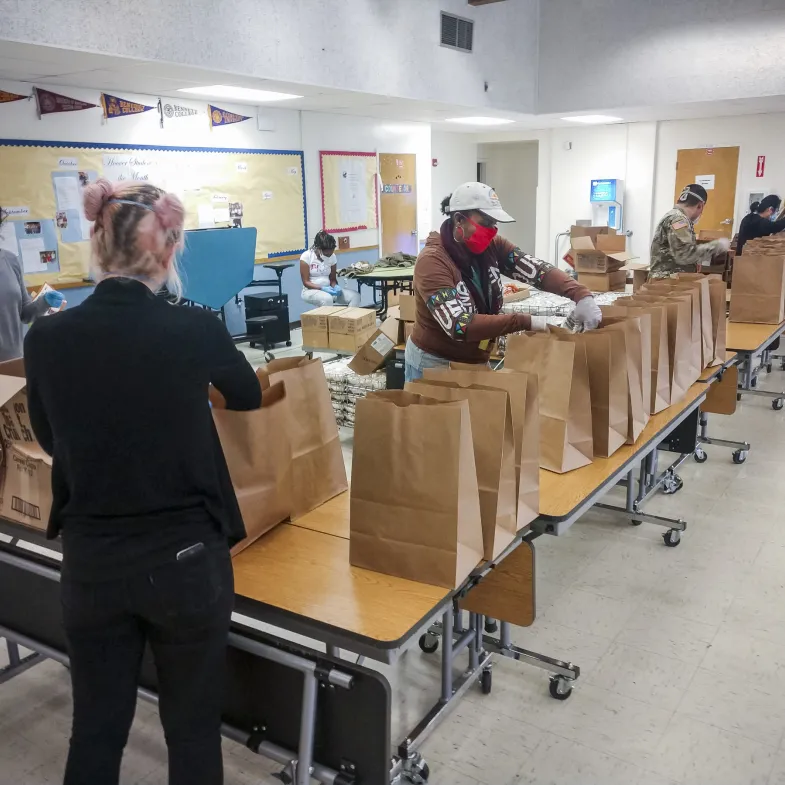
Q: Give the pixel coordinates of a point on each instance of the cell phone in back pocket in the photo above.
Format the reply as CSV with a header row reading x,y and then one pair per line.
x,y
190,551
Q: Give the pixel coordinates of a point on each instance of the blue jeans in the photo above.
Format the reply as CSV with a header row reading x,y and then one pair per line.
x,y
417,361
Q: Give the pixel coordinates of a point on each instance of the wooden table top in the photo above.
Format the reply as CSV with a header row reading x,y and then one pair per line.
x,y
307,573
331,518
393,273
561,494
711,373
744,337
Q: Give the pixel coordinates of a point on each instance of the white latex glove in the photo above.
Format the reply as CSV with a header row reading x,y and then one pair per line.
x,y
586,314
723,244
539,324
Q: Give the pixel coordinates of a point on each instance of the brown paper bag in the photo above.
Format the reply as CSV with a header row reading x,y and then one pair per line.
x,y
659,355
683,372
523,391
258,454
758,289
718,290
701,282
494,456
637,342
606,357
564,398
415,505
670,287
318,471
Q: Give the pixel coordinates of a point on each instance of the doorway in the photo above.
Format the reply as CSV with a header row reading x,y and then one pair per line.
x,y
715,168
398,203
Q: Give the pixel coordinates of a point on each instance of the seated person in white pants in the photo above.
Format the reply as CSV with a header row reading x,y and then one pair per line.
x,y
317,269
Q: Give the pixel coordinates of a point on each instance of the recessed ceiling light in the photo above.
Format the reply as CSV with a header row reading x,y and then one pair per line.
x,y
593,119
479,120
240,93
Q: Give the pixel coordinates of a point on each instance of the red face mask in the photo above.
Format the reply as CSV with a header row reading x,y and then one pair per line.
x,y
482,237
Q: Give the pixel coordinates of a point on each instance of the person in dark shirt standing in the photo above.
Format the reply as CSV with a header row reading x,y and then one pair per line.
x,y
118,395
761,221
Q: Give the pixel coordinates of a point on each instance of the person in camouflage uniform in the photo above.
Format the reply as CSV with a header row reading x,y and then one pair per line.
x,y
674,248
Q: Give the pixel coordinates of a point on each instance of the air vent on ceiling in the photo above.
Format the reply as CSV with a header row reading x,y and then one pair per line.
x,y
457,32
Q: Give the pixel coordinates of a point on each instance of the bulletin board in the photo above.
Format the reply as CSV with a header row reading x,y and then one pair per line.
x,y
349,191
41,185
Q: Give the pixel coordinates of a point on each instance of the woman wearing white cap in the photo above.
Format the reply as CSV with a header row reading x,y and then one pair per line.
x,y
457,280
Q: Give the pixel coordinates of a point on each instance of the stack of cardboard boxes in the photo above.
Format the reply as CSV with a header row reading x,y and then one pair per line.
x,y
598,255
394,331
25,469
338,328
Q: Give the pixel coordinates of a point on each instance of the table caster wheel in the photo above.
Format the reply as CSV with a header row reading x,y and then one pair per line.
x,y
672,538
486,682
738,396
700,455
288,343
428,643
672,484
755,382
269,357
560,688
635,523
416,771
739,456
777,404
769,368
491,626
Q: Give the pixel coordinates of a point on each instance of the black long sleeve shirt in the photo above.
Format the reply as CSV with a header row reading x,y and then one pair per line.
x,y
752,226
117,390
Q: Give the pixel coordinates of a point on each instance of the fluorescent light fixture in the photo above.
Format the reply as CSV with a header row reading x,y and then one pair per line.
x,y
479,120
593,119
239,93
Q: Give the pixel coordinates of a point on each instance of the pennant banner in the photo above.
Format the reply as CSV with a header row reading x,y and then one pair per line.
x,y
222,117
168,110
120,107
6,98
49,102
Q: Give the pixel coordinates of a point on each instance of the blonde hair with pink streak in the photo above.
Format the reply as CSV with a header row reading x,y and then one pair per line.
x,y
138,228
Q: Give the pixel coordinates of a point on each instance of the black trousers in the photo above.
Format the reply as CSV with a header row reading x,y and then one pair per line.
x,y
182,609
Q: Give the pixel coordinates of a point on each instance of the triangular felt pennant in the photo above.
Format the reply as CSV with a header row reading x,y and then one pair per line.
x,y
7,98
222,117
49,102
121,107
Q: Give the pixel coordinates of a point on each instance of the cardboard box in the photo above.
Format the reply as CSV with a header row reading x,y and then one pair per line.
x,y
408,306
706,235
590,231
606,254
375,351
315,325
26,490
640,274
350,343
604,282
351,321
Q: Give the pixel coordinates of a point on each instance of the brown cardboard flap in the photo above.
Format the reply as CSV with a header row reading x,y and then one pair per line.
x,y
722,398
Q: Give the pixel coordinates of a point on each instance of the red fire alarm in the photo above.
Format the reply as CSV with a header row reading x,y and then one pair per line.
x,y
434,161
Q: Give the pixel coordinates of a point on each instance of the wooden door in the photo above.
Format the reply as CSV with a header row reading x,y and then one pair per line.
x,y
398,202
714,168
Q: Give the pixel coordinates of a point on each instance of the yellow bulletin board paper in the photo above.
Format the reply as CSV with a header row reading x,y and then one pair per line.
x,y
195,174
349,192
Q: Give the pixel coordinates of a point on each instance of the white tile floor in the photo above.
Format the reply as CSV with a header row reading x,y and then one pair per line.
x,y
682,653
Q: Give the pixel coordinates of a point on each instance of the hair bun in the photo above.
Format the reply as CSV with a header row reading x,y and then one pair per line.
x,y
95,198
170,212
754,207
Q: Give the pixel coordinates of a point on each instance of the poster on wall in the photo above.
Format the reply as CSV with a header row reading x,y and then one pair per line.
x,y
349,193
69,213
34,242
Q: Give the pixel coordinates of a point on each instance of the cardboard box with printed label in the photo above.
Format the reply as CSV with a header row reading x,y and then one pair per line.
x,y
604,282
408,305
315,325
26,490
606,254
640,274
374,353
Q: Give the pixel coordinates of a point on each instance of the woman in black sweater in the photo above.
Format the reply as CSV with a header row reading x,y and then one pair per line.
x,y
142,496
760,221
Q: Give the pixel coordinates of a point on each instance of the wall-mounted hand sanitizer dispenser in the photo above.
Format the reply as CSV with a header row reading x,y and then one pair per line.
x,y
607,202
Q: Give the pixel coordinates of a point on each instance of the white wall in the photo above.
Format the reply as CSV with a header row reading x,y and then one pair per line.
x,y
512,169
322,131
456,154
387,47
617,53
754,134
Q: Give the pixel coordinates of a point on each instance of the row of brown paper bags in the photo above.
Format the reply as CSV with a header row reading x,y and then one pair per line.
x,y
284,459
